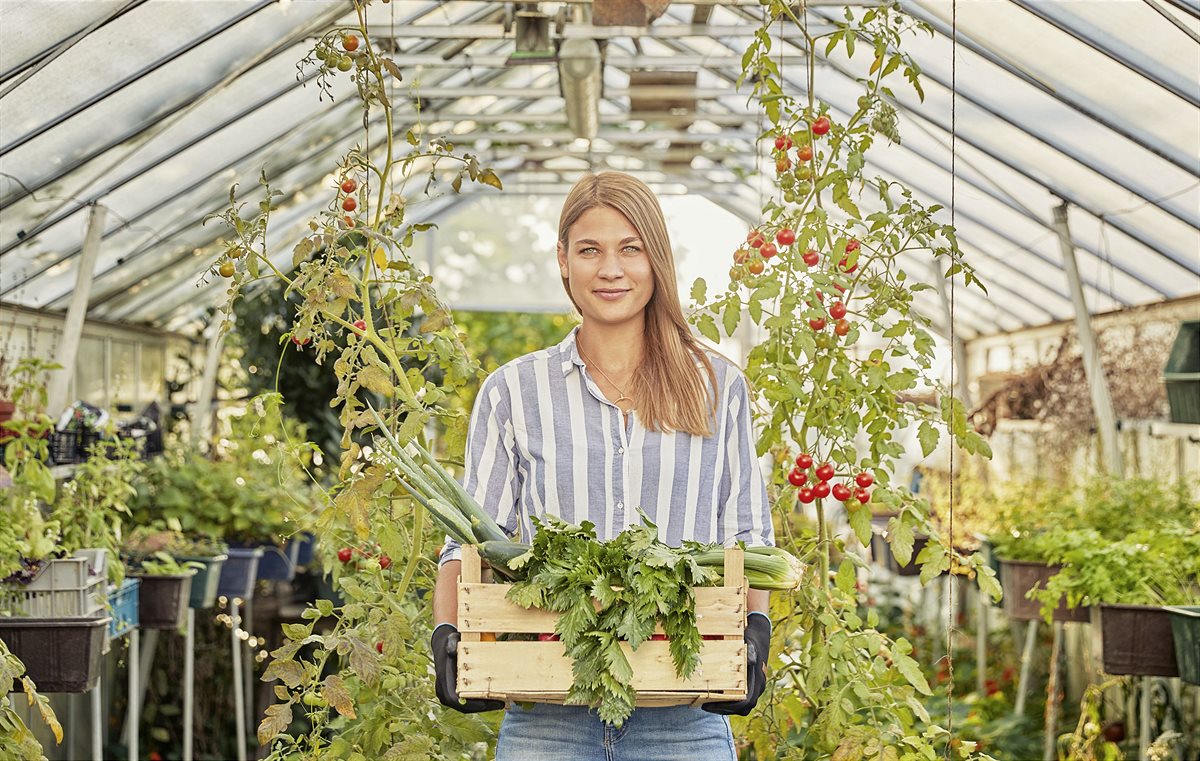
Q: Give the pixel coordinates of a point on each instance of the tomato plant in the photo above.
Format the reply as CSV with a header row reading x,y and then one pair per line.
x,y
816,394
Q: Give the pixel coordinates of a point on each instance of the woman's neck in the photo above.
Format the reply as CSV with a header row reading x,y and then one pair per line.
x,y
616,348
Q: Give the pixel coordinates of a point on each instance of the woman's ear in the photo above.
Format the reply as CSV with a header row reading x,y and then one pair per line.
x,y
562,260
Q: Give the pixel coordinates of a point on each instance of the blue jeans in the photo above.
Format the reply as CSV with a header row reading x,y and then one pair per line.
x,y
547,732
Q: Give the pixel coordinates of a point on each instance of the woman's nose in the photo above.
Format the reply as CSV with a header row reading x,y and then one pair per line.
x,y
610,265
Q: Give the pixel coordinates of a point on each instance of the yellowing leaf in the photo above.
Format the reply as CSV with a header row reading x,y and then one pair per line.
x,y
334,690
341,285
288,672
488,177
376,379
276,721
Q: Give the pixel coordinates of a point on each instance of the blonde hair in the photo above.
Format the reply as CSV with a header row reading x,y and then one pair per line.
x,y
668,389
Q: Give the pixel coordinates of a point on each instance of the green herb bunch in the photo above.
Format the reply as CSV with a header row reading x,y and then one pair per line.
x,y
609,593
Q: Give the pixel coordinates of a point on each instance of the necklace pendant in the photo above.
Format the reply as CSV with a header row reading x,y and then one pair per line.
x,y
620,399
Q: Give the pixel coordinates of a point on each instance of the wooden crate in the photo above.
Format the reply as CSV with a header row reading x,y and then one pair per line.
x,y
540,672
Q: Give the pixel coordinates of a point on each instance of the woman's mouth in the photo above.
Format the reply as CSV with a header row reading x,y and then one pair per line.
x,y
611,294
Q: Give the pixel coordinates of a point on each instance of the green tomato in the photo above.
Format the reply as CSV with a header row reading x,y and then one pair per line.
x,y
314,700
345,63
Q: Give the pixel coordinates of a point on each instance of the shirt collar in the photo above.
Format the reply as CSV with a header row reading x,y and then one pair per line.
x,y
569,351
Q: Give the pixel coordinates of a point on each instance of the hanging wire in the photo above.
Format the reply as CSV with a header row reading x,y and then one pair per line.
x,y
953,369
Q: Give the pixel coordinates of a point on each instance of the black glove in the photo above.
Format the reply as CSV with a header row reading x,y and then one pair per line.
x,y
444,645
758,651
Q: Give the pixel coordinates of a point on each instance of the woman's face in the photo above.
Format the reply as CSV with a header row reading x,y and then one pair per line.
x,y
606,267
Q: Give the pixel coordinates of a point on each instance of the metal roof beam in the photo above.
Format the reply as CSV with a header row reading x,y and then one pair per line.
x,y
576,31
1111,47
619,60
137,75
1067,97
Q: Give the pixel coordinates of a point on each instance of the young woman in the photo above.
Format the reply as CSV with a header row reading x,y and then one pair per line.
x,y
628,412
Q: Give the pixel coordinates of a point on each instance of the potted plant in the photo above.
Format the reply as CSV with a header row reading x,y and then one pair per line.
x,y
166,590
203,555
1127,583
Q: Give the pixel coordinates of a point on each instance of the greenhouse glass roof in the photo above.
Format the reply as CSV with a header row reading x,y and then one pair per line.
x,y
153,109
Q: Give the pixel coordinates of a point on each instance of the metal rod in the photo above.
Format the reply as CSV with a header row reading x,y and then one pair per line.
x,y
1060,92
1026,667
1050,730
1095,38
1106,418
248,667
149,69
579,31
145,663
135,703
189,684
239,707
97,721
981,640
1144,720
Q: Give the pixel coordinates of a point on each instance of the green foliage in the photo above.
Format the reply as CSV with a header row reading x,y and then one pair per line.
x,y
163,564
18,742
93,507
609,593
1148,567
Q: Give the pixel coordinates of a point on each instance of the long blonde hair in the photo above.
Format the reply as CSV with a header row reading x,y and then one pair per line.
x,y
668,389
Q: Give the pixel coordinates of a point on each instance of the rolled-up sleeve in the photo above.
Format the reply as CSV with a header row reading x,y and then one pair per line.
x,y
745,512
490,475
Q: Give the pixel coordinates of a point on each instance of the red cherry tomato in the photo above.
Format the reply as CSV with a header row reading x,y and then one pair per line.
x,y
385,562
825,471
349,185
837,310
756,267
782,143
348,221
349,204
740,256
841,327
821,125
864,479
821,490
379,647
782,164
811,258
862,495
817,324
805,153
344,554
842,264
785,237
768,250
841,492
797,477
755,238
852,245
360,325
350,43
804,461
806,495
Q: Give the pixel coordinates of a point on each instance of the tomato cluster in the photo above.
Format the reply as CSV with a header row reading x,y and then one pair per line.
x,y
821,487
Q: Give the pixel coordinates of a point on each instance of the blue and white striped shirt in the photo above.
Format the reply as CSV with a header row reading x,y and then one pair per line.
x,y
543,439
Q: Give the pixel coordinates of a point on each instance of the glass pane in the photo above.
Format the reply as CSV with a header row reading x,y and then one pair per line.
x,y
124,378
90,374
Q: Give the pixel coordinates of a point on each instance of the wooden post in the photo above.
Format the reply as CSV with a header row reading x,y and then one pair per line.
x,y
202,412
1050,730
72,331
1026,665
1106,419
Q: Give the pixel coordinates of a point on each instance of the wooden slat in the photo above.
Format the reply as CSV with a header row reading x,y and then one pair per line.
x,y
735,577
501,669
471,569
644,699
483,608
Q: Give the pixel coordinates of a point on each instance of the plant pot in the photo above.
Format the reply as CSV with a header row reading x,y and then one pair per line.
x,y
64,447
162,600
60,654
123,605
7,409
239,572
1017,577
307,542
1136,640
1185,627
204,584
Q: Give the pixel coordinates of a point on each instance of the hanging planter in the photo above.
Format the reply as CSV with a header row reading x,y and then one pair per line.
x,y
1136,640
239,572
276,563
63,588
60,654
1017,577
203,592
1185,627
123,607
163,600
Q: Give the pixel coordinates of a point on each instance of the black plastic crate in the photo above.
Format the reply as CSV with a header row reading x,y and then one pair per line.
x,y
64,447
60,654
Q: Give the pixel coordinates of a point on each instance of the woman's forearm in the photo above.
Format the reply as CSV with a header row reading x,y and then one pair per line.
x,y
445,593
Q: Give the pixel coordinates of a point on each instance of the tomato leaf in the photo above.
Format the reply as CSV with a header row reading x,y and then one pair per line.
x,y
699,290
928,435
708,328
334,690
275,721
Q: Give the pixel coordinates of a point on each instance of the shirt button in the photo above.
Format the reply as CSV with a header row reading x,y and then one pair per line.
x,y
620,450
620,505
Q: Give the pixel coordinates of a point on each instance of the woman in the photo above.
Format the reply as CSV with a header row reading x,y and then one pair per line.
x,y
628,412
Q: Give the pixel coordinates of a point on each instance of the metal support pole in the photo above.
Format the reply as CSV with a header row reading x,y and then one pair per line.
x,y
71,722
135,703
97,729
189,699
145,656
1050,732
248,669
1144,720
202,412
1026,665
1106,419
68,346
981,641
239,706
958,349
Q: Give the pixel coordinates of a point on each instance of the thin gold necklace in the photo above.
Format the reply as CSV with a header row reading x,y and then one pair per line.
x,y
622,397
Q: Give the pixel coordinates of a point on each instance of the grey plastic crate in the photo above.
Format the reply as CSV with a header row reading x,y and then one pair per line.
x,y
64,589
